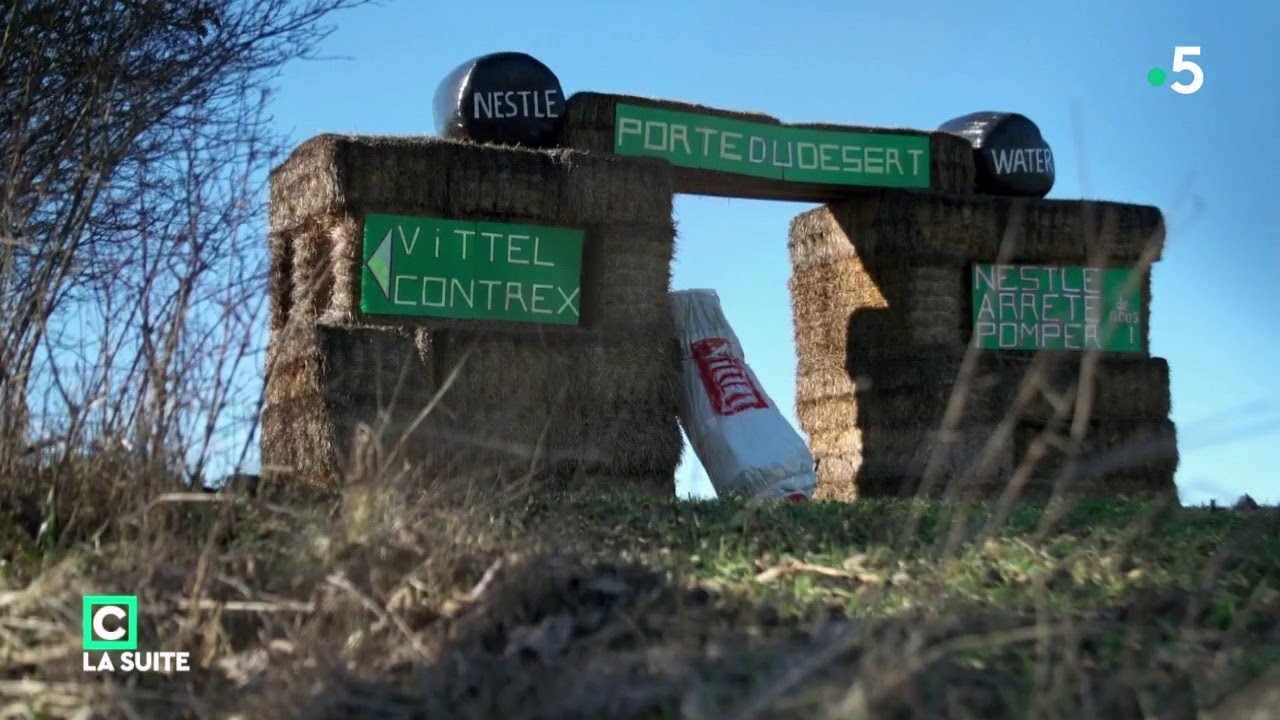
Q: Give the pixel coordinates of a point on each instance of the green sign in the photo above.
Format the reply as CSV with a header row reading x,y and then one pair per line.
x,y
473,270
1031,307
772,151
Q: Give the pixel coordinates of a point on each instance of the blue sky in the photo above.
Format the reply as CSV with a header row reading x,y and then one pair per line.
x,y
1210,161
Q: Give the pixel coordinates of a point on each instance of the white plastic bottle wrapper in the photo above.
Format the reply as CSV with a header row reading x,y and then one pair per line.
x,y
745,444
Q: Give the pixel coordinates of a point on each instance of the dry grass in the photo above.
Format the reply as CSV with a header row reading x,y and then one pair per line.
x,y
416,599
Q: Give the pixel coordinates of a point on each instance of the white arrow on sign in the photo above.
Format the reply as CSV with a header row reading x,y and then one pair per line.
x,y
380,264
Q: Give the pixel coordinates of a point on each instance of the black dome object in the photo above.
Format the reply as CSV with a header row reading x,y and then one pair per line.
x,y
1011,155
506,98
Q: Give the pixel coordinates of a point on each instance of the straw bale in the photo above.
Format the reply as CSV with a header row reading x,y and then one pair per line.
x,y
1072,232
545,440
513,405
605,372
885,385
835,440
1138,457
837,477
925,405
892,419
631,267
907,227
594,408
589,125
596,187
321,259
893,460
843,302
597,399
623,205
324,384
297,444
818,378
889,288
827,414
1081,232
1124,387
279,278
899,388
1147,297
843,296
919,226
321,442
352,174
305,185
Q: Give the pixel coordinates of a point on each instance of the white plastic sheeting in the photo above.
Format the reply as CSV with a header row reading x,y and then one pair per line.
x,y
744,443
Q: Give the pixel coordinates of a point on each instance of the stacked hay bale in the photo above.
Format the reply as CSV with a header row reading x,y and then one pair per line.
x,y
336,396
597,397
891,391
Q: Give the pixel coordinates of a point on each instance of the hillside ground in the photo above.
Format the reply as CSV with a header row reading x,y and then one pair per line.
x,y
525,603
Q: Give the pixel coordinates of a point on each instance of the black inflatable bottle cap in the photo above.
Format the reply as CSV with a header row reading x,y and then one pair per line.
x,y
506,98
1012,157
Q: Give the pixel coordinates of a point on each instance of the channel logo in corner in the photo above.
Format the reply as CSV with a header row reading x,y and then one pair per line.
x,y
110,639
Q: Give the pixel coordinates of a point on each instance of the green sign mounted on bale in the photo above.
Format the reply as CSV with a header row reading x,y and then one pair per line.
x,y
1032,307
428,267
827,157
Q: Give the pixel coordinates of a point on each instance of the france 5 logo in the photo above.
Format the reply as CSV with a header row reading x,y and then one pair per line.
x,y
1157,76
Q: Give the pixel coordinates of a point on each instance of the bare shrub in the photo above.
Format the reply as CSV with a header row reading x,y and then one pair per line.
x,y
134,147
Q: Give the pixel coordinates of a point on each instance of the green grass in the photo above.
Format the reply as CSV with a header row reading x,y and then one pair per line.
x,y
833,554
595,605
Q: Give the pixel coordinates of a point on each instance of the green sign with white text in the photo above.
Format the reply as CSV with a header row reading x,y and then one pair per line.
x,y
428,267
779,152
1032,307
